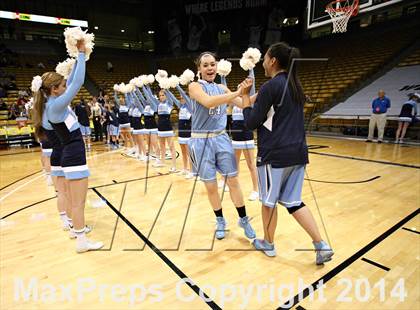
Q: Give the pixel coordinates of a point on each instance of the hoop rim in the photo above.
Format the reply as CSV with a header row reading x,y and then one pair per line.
x,y
354,7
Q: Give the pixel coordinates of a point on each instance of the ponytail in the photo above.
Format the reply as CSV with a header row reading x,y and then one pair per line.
x,y
285,55
38,111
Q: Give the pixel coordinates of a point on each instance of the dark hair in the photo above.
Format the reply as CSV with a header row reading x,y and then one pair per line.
x,y
198,59
284,54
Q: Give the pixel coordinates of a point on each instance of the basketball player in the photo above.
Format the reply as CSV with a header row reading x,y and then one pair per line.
x,y
282,150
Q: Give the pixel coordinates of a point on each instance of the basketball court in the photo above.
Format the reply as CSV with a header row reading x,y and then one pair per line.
x,y
158,229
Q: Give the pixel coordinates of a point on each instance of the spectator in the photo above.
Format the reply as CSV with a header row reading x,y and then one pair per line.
x,y
109,67
13,111
83,113
96,117
378,118
3,105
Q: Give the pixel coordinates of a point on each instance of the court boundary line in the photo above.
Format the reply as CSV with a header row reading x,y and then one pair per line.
x,y
375,264
162,256
18,180
346,263
367,160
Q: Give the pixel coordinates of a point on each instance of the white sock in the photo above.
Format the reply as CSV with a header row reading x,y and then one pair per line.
x,y
81,236
64,218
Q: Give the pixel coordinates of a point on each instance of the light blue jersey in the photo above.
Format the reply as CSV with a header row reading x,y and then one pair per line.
x,y
57,109
209,120
165,108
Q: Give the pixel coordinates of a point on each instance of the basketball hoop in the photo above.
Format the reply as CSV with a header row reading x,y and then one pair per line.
x,y
340,12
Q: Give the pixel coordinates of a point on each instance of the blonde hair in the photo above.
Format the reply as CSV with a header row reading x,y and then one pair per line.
x,y
49,80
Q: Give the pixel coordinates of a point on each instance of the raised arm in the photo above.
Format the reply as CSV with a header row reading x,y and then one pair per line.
x,y
62,102
172,98
136,101
71,76
140,96
223,80
150,98
197,93
128,100
186,97
252,76
117,100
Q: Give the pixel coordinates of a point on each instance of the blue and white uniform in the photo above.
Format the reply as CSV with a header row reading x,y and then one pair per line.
x,y
46,147
113,125
210,147
64,122
242,137
164,110
408,111
149,110
123,117
282,150
136,112
184,115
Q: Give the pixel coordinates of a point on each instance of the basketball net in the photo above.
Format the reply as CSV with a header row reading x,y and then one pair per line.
x,y
340,12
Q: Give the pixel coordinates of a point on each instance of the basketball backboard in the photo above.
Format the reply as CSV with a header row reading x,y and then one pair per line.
x,y
316,15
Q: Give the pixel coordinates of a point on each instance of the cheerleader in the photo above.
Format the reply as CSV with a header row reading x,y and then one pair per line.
x,y
407,115
243,141
138,127
184,127
54,100
151,128
210,146
124,120
165,131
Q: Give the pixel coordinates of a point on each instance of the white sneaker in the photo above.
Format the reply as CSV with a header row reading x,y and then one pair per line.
x,y
189,175
49,180
172,170
143,158
158,164
72,234
66,226
183,172
88,246
253,196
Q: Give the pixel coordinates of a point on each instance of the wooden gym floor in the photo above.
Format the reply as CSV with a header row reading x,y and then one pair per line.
x,y
368,196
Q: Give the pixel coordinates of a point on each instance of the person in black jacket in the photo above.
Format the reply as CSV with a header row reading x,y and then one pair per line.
x,y
83,113
282,155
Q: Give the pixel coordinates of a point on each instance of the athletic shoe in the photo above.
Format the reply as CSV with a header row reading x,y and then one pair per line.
x,y
265,246
323,252
244,223
72,234
379,141
253,196
368,140
158,164
220,227
172,170
88,246
397,141
66,226
189,175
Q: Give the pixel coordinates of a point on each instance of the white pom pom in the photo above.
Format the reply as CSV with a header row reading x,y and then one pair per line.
x,y
224,67
72,35
246,64
138,81
64,68
186,77
132,81
164,83
36,83
253,54
150,79
116,87
173,81
161,74
129,88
